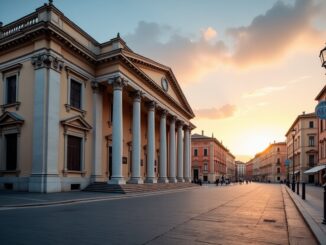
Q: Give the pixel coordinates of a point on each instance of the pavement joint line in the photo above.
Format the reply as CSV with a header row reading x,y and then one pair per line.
x,y
285,214
194,218
311,223
93,199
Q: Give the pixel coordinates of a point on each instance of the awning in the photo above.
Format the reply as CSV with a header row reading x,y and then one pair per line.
x,y
315,169
295,172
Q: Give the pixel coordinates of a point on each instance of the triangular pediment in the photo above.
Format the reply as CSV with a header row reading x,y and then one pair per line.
x,y
77,122
10,118
157,73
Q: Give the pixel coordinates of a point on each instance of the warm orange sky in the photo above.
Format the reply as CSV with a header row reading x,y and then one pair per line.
x,y
247,67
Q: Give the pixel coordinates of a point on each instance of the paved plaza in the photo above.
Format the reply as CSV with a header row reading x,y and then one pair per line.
x,y
236,214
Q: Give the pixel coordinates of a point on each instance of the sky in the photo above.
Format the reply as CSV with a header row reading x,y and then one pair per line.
x,y
247,67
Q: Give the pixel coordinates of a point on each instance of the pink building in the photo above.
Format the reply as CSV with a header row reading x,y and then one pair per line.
x,y
209,158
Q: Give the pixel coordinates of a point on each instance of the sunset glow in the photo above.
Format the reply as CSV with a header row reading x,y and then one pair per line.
x,y
247,71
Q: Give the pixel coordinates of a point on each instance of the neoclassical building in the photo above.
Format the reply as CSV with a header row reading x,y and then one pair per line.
x,y
75,111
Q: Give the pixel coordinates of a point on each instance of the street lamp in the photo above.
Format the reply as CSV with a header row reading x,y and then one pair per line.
x,y
293,179
322,56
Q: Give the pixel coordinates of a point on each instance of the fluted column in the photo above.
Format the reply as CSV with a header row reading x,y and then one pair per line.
x,y
187,163
151,178
163,153
136,139
117,133
172,157
180,152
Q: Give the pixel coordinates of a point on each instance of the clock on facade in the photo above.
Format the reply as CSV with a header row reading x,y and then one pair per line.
x,y
165,84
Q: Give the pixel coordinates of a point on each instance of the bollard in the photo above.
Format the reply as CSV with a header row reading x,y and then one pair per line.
x,y
324,220
303,191
298,186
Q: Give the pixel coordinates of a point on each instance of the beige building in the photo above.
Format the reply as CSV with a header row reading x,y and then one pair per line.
x,y
75,111
230,166
302,136
319,170
240,170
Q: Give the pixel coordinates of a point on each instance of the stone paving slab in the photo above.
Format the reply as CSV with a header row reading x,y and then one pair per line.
x,y
264,216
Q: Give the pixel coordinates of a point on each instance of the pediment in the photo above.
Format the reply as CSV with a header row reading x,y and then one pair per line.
x,y
10,118
77,122
156,73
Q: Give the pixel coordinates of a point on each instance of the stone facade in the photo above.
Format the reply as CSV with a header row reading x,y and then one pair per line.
x,y
75,111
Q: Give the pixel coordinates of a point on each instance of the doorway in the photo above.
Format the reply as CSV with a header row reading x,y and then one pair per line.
x,y
195,174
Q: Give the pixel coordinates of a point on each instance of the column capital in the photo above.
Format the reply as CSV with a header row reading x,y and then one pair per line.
x,y
180,123
151,105
119,82
162,112
172,118
137,95
96,87
47,60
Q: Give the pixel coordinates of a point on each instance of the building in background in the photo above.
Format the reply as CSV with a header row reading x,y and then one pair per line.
x,y
302,136
209,158
230,166
268,165
75,111
249,170
317,172
240,170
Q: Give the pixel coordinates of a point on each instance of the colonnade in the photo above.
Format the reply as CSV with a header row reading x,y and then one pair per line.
x,y
179,147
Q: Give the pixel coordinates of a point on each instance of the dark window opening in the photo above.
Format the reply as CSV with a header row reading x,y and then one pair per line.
x,y
75,94
311,124
74,153
75,187
311,160
11,151
311,141
195,152
205,152
11,89
9,186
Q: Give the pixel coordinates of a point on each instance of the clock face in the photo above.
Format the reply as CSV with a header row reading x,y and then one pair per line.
x,y
165,84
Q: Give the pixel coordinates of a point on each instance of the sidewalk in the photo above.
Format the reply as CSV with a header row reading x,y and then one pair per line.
x,y
311,209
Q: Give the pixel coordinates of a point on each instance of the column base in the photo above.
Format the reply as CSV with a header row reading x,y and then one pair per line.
x,y
173,180
117,181
163,180
44,183
135,180
181,180
151,180
187,179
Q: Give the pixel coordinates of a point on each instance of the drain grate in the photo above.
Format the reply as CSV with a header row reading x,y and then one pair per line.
x,y
270,220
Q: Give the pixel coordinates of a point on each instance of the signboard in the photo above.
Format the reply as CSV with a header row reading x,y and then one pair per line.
x,y
287,162
321,109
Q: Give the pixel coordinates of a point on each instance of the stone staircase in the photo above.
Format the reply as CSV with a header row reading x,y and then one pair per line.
x,y
135,188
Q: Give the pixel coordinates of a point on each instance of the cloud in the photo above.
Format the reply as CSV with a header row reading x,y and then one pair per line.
x,y
263,91
272,35
282,30
209,33
216,113
188,59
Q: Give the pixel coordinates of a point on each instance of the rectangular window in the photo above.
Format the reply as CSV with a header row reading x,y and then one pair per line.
x,y
311,160
278,170
278,161
195,152
11,151
205,167
205,152
321,125
311,140
74,151
311,124
75,94
11,85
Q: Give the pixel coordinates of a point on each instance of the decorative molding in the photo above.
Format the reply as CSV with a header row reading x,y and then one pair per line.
x,y
69,107
11,68
119,82
15,104
47,60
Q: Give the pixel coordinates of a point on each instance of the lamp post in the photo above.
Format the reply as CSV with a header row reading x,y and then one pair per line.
x,y
293,179
322,56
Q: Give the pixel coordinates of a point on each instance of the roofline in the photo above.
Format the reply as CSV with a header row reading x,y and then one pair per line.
x,y
307,115
321,92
